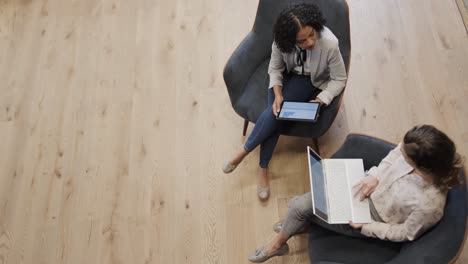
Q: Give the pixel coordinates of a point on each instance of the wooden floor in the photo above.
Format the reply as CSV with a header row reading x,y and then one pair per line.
x,y
115,122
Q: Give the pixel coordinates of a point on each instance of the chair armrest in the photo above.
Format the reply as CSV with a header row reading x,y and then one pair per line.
x,y
372,150
247,57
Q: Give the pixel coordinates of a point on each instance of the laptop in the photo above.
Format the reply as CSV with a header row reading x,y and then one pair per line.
x,y
331,184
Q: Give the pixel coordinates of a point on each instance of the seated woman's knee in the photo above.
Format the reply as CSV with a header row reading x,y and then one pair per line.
x,y
300,205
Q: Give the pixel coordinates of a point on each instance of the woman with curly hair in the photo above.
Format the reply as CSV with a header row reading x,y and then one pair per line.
x,y
305,65
406,192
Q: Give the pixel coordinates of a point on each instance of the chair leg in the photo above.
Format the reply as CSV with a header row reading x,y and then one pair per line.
x,y
246,124
316,145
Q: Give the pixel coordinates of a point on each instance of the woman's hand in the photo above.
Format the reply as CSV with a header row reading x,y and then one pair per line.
x,y
355,226
366,186
277,104
317,100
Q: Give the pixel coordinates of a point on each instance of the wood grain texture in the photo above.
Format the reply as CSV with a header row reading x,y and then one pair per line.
x,y
115,122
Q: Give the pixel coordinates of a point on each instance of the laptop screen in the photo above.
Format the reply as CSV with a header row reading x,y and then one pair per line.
x,y
318,185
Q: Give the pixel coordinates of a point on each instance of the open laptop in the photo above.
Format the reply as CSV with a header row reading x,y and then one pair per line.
x,y
332,182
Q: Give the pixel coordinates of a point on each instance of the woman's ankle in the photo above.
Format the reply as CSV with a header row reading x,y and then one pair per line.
x,y
239,156
275,244
263,177
263,172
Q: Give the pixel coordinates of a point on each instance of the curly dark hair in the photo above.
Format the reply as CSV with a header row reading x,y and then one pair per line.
x,y
291,20
434,152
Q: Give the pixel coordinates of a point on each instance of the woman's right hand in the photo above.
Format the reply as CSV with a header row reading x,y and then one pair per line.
x,y
277,104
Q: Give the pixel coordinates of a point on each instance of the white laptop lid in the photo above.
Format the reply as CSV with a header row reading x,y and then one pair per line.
x,y
317,185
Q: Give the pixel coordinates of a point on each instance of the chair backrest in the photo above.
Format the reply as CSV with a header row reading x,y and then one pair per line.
x,y
335,12
370,149
246,74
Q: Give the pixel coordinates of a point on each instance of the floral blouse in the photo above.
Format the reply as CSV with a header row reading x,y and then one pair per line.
x,y
407,204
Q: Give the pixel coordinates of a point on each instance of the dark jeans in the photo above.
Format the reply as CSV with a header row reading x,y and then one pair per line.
x,y
296,88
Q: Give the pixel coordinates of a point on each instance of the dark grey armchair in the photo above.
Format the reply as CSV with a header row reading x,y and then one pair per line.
x,y
246,74
439,245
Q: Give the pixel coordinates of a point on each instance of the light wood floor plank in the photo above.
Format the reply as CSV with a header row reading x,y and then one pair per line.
x,y
115,122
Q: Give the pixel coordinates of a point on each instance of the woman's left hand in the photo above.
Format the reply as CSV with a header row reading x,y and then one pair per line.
x,y
355,226
317,100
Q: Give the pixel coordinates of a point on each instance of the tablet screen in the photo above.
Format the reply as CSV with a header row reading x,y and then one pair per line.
x,y
299,111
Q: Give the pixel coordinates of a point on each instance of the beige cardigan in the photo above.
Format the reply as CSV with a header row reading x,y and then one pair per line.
x,y
407,204
324,61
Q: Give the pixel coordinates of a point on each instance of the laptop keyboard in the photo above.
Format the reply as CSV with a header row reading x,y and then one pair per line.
x,y
338,191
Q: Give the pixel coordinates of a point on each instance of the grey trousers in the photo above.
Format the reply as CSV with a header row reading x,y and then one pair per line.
x,y
301,215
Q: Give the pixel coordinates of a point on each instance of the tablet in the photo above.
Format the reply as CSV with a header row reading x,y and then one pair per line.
x,y
299,111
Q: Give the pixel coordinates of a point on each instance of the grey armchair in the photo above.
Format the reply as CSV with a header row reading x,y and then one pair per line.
x,y
439,245
246,74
